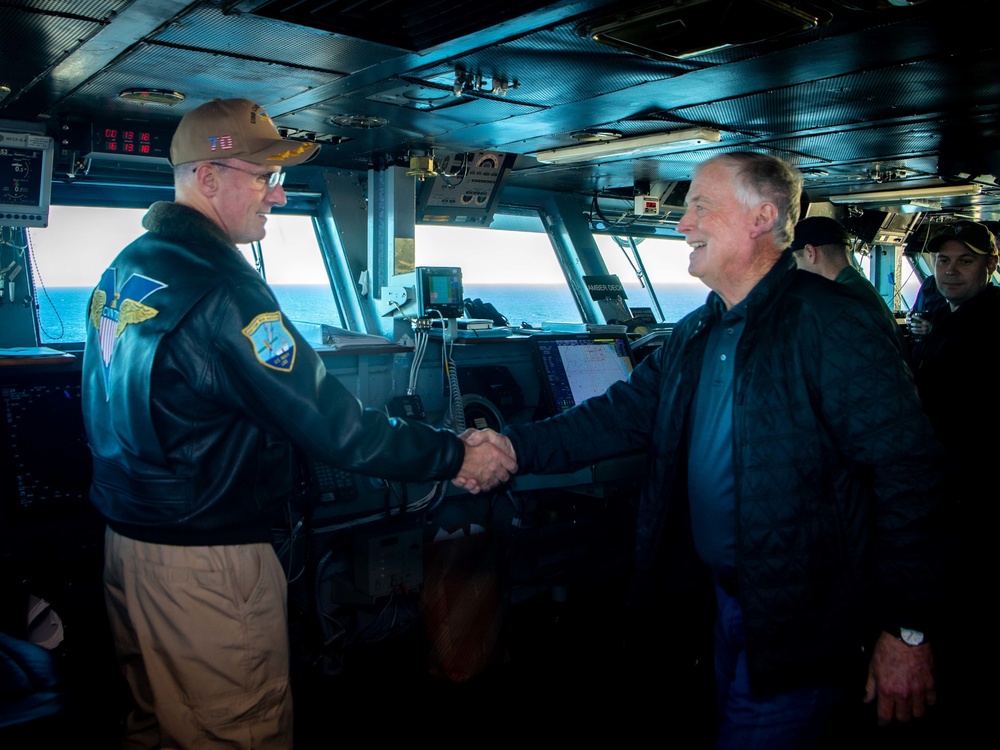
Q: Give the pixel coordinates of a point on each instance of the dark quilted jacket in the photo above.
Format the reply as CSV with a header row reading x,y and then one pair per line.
x,y
837,471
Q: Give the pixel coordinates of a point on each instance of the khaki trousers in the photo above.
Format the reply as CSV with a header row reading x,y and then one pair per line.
x,y
201,635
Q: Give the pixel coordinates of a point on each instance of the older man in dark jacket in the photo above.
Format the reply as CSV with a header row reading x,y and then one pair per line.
x,y
782,415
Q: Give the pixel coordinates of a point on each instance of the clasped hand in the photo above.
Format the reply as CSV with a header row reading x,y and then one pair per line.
x,y
489,461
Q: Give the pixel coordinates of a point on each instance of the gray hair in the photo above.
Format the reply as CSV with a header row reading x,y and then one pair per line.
x,y
183,172
762,178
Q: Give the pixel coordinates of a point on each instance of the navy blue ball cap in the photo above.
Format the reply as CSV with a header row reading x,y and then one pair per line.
x,y
975,236
818,231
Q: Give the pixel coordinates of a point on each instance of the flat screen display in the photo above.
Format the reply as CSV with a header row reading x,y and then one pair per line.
x,y
25,179
45,467
439,290
575,367
45,464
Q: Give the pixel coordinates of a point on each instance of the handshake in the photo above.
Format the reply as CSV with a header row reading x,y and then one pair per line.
x,y
489,461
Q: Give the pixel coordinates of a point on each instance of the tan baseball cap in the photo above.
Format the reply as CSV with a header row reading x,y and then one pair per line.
x,y
235,129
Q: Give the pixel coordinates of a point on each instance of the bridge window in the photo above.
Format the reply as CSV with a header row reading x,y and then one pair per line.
x,y
69,256
515,270
293,266
80,242
911,281
666,263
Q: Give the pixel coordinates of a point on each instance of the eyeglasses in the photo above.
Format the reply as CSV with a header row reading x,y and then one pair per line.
x,y
270,179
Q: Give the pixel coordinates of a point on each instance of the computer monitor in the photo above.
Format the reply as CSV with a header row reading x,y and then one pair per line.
x,y
439,291
45,468
25,179
45,463
575,367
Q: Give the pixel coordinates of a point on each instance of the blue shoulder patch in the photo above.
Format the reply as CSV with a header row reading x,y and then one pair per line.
x,y
273,345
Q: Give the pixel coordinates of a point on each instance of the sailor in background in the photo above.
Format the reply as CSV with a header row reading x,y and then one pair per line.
x,y
956,372
822,246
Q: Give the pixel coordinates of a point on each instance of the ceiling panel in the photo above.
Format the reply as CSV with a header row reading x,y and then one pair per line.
x,y
200,76
207,27
401,23
33,43
952,87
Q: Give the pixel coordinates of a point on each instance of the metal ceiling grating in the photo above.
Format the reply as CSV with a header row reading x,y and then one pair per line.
x,y
94,10
401,23
200,76
914,89
469,109
413,122
41,40
555,66
207,27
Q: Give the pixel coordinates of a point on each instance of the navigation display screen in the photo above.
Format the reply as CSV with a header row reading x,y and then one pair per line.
x,y
20,176
45,468
25,179
573,368
45,463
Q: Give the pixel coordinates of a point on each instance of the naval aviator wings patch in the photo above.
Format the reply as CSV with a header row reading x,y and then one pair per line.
x,y
113,309
273,345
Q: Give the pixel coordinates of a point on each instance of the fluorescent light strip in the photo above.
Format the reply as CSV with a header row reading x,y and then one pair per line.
x,y
643,145
907,194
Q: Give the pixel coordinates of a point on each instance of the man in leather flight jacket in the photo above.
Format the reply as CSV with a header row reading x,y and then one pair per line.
x,y
195,387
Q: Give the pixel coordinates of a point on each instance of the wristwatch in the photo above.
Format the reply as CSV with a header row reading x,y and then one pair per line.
x,y
911,637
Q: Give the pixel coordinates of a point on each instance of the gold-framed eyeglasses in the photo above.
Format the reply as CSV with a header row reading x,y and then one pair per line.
x,y
270,179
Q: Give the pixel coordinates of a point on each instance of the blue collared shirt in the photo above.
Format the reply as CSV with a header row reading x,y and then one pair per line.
x,y
711,476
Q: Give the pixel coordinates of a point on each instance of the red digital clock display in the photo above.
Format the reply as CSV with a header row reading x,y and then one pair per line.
x,y
113,140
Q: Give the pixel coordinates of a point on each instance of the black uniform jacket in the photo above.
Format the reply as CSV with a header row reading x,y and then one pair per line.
x,y
195,385
956,370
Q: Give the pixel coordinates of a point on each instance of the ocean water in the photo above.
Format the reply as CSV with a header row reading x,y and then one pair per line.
x,y
63,310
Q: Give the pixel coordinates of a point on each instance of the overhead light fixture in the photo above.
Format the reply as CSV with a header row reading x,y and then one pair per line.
x,y
152,96
595,136
908,194
358,122
919,206
643,145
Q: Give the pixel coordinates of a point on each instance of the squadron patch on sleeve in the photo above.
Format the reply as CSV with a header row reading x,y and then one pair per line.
x,y
273,345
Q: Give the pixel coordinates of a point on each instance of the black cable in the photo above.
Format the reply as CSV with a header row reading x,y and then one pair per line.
x,y
37,279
